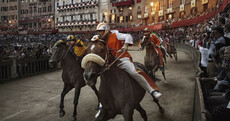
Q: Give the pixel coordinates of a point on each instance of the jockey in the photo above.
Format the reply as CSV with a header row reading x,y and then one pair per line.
x,y
156,42
114,42
78,46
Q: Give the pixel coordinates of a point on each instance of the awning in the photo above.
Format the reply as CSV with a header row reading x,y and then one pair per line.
x,y
124,3
130,29
195,20
224,4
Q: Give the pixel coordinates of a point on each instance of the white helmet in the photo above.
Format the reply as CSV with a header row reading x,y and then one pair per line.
x,y
102,26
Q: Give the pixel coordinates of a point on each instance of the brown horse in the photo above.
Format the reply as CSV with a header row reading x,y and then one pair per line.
x,y
119,93
151,59
171,49
72,74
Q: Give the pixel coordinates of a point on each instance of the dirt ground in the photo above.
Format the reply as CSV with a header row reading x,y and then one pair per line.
x,y
37,98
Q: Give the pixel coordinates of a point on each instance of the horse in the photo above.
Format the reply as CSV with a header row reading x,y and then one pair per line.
x,y
151,60
171,49
72,75
164,54
119,93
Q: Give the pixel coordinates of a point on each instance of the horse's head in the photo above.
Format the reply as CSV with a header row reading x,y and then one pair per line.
x,y
144,41
58,51
96,54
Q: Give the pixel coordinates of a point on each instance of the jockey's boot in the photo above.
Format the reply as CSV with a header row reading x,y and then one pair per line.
x,y
156,94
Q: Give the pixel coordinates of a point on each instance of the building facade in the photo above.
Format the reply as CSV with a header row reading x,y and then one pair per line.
x,y
9,15
149,12
76,15
36,16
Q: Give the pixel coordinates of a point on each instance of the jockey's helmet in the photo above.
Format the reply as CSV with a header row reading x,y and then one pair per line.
x,y
70,38
146,31
102,26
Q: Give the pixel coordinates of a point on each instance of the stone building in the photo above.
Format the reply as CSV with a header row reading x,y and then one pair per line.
x,y
127,13
9,15
76,15
36,16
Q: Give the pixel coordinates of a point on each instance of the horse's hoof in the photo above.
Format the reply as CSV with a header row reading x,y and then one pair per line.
x,y
73,118
162,110
62,113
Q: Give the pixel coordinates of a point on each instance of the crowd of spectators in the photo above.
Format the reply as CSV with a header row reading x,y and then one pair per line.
x,y
212,40
30,46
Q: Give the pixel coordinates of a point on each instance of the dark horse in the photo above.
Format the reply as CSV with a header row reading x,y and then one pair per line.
x,y
72,74
171,49
151,59
119,93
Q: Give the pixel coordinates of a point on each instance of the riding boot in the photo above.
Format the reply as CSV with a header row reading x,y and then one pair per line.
x,y
155,94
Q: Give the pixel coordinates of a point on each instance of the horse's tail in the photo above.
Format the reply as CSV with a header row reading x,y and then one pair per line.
x,y
141,67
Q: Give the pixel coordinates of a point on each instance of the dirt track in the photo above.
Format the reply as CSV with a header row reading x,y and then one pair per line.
x,y
37,98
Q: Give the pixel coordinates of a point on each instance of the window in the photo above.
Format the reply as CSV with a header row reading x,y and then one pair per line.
x,y
182,2
161,5
44,9
131,18
49,8
170,3
39,10
121,19
113,18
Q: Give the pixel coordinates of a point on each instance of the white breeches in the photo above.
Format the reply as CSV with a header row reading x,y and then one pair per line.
x,y
129,67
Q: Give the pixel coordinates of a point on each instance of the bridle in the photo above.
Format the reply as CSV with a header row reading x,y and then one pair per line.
x,y
64,55
107,66
148,41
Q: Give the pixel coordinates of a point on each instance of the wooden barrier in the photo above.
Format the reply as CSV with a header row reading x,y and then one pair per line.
x,y
199,105
32,66
5,69
13,69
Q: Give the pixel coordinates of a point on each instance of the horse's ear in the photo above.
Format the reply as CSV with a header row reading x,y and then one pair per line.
x,y
105,36
59,42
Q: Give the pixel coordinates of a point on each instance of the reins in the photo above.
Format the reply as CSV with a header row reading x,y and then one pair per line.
x,y
107,67
66,51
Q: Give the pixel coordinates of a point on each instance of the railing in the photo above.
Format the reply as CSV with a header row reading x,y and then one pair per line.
x,y
32,66
5,69
13,68
199,104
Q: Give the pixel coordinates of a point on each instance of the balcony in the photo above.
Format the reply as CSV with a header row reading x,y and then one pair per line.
x,y
77,6
124,3
76,23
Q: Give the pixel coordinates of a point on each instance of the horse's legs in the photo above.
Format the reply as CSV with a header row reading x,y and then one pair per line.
x,y
142,112
76,96
175,56
96,92
65,90
127,113
160,108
